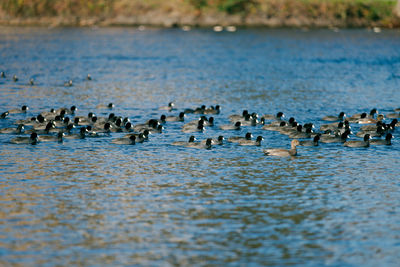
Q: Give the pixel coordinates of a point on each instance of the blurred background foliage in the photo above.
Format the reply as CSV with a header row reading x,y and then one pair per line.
x,y
373,10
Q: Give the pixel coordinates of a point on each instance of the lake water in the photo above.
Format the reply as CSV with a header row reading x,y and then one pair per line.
x,y
90,202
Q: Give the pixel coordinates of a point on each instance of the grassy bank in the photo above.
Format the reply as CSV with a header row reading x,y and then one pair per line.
x,y
317,13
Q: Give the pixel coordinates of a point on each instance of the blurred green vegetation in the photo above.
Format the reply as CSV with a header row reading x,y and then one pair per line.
x,y
342,10
36,8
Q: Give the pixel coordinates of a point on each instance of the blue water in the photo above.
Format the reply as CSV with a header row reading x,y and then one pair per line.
x,y
90,202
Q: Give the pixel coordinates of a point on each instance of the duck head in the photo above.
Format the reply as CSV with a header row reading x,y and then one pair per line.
x,y
4,114
62,113
208,143
20,128
73,109
33,139
294,143
118,122
309,125
162,118
60,136
70,127
152,123
66,120
82,132
146,133
128,126
248,136
126,120
111,117
49,126
107,126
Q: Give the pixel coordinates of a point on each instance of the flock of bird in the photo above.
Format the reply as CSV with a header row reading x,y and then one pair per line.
x,y
64,123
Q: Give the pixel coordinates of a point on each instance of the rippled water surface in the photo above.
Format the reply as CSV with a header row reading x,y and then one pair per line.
x,y
90,202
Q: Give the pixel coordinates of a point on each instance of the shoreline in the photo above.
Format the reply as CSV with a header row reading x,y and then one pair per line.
x,y
203,13
251,22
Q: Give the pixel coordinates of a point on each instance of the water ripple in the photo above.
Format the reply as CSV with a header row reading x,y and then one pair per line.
x,y
90,202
